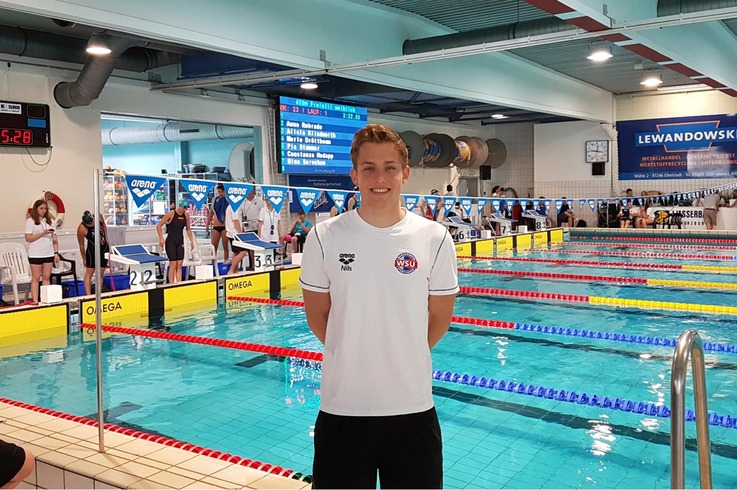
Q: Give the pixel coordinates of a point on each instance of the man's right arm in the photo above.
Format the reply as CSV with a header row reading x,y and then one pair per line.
x,y
317,310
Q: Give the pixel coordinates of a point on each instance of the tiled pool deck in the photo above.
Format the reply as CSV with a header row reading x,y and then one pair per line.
x,y
67,456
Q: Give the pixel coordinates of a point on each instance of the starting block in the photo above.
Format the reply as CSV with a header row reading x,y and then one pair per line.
x,y
541,221
466,231
264,253
505,224
141,262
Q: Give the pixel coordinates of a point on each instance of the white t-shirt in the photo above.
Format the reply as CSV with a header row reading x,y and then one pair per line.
x,y
230,218
250,212
377,360
270,219
44,246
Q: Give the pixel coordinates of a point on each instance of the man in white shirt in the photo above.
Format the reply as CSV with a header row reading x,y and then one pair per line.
x,y
251,210
379,286
268,224
232,226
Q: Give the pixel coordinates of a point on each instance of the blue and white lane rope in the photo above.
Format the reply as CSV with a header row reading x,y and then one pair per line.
x,y
621,404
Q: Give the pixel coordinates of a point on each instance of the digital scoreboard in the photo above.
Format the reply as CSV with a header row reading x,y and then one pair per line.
x,y
24,125
315,136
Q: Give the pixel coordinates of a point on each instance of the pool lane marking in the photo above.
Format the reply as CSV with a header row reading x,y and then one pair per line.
x,y
185,446
483,382
608,265
553,330
604,279
651,246
652,255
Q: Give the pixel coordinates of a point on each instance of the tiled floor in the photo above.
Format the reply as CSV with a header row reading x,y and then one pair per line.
x,y
67,456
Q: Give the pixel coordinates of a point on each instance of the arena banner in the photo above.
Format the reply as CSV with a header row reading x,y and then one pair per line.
x,y
699,147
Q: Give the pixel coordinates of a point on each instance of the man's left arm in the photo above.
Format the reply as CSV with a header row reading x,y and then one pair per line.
x,y
440,313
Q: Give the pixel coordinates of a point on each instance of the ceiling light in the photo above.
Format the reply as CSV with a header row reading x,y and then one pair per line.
x,y
308,85
651,79
97,45
684,88
599,53
499,116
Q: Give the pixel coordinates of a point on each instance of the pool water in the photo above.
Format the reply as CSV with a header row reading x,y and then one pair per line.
x,y
263,407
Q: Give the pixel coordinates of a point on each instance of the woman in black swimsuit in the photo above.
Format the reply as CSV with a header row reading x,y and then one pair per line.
x,y
177,220
86,233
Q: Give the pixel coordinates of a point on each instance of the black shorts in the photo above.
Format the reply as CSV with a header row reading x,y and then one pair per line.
x,y
40,260
89,257
174,250
12,457
219,229
236,248
406,450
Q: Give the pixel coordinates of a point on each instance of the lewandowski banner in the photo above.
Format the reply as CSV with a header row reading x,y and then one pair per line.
x,y
700,147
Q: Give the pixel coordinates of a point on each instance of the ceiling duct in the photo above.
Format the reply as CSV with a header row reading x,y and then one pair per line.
x,y
675,7
47,46
94,75
171,132
493,34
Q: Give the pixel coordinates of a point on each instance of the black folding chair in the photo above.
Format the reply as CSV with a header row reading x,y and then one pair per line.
x,y
56,277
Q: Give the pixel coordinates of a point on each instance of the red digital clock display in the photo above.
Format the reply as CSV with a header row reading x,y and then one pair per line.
x,y
18,137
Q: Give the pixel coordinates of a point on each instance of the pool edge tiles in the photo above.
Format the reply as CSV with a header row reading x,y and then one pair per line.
x,y
67,456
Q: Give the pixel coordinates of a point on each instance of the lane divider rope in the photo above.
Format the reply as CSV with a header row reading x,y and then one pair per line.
x,y
651,246
552,330
654,255
612,403
657,239
604,279
609,265
620,404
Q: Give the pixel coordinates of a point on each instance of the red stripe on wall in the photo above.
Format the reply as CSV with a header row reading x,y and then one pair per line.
x,y
646,52
683,69
588,24
551,6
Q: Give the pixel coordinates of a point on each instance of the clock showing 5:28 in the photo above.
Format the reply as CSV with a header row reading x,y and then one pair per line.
x,y
597,151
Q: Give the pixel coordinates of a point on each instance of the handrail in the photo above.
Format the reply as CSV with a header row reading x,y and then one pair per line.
x,y
689,342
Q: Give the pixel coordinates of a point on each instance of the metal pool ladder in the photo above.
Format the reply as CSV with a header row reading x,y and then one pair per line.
x,y
688,343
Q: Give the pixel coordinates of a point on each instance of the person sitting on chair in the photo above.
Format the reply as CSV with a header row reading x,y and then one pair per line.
x,y
566,215
299,231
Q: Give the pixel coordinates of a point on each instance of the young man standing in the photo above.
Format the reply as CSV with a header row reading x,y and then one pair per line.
x,y
379,285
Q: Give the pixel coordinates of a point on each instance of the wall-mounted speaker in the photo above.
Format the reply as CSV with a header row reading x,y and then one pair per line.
x,y
485,172
597,168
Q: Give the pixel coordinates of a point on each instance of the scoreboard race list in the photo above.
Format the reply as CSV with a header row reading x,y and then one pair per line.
x,y
315,136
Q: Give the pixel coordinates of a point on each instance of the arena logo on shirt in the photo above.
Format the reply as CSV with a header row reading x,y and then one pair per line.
x,y
197,190
142,187
406,263
275,194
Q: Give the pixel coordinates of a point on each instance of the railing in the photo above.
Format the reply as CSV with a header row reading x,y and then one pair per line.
x,y
688,343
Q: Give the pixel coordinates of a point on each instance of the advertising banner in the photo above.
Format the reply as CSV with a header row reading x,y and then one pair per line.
x,y
699,147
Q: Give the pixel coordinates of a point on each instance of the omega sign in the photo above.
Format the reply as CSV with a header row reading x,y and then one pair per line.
x,y
105,307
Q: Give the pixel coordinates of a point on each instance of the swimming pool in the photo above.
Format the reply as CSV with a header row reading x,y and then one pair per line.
x,y
263,407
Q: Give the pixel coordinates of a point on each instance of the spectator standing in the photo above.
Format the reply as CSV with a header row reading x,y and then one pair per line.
x,y
216,221
43,246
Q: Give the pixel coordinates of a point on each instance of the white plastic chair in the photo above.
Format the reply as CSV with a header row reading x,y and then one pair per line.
x,y
15,267
202,254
